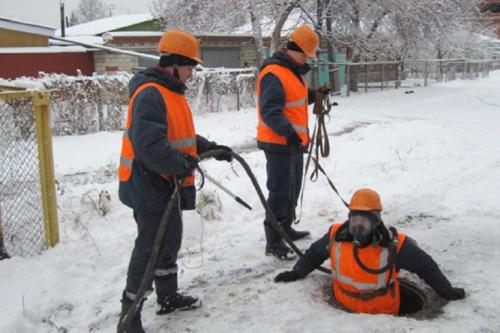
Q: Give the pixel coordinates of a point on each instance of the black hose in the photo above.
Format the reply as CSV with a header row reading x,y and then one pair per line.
x,y
384,269
293,177
274,222
156,254
320,142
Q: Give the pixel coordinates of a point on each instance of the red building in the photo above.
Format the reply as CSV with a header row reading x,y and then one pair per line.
x,y
25,51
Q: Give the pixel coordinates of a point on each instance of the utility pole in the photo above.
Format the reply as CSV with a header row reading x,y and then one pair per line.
x,y
63,31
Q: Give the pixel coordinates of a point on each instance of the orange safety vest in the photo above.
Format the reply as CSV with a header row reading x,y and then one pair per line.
x,y
348,276
295,108
181,133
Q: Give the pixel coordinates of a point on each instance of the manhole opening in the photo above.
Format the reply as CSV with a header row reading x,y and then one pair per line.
x,y
412,300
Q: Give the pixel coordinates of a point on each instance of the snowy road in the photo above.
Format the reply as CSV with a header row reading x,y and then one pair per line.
x,y
434,156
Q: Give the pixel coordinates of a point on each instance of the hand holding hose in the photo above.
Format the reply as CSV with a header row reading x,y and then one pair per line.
x,y
322,103
225,153
293,140
324,90
190,164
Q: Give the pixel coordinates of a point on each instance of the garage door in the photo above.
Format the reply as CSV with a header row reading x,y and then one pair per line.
x,y
221,57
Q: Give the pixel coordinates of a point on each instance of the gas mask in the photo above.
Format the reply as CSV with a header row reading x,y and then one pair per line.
x,y
361,227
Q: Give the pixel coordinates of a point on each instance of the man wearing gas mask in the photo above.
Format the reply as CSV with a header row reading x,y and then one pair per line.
x,y
366,257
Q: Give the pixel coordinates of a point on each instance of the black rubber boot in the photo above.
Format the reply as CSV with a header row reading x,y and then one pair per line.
x,y
291,232
178,301
276,246
135,325
3,252
4,255
295,234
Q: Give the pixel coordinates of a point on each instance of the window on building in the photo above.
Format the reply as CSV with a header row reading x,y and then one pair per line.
x,y
493,8
221,57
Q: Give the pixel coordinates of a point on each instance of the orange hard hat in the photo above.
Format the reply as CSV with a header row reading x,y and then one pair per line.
x,y
365,199
306,39
182,43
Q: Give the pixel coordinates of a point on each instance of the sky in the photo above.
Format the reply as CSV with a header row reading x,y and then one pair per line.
x,y
46,12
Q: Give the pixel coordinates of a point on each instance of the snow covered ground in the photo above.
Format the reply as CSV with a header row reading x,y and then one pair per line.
x,y
433,155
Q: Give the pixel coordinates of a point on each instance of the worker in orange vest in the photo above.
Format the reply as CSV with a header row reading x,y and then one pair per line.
x,y
159,146
283,133
366,258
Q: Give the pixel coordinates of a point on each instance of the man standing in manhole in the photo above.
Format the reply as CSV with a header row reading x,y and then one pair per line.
x,y
366,257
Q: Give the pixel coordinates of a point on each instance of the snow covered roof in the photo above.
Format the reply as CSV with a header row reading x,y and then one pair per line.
x,y
159,33
48,49
107,24
98,40
22,26
133,33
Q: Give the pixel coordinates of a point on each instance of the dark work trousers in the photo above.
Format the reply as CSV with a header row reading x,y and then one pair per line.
x,y
166,270
279,184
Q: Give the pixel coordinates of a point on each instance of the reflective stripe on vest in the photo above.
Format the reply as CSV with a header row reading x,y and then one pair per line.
x,y
295,109
125,161
300,102
182,143
298,128
352,285
381,278
182,136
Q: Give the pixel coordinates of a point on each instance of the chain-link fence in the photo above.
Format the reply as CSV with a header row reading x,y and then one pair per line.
x,y
27,207
364,76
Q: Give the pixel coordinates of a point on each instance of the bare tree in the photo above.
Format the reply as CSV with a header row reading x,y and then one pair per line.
x,y
370,29
396,29
257,30
90,10
73,19
200,16
282,12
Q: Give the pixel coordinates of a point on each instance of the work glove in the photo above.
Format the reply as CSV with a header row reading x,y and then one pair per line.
x,y
324,90
455,294
293,139
225,155
190,164
287,276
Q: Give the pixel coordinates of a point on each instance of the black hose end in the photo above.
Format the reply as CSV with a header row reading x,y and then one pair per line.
x,y
243,203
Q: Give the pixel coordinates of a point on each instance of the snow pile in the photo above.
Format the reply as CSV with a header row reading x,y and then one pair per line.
x,y
432,155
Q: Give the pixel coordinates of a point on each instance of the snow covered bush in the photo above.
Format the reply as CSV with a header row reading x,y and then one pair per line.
x,y
88,104
218,90
83,104
208,205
